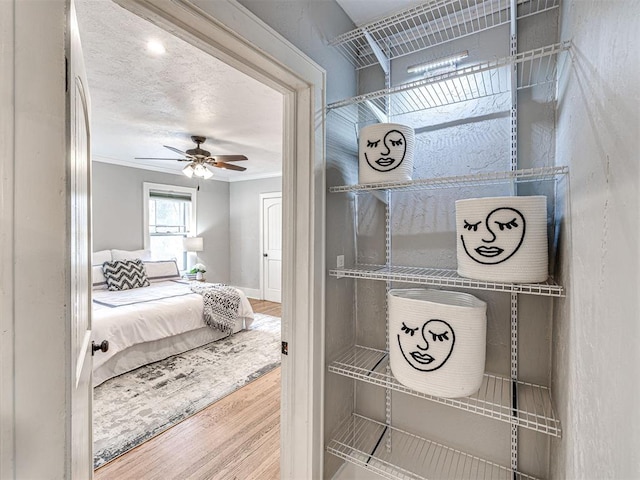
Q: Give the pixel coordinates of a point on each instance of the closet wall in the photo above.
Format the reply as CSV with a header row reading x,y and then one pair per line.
x,y
597,329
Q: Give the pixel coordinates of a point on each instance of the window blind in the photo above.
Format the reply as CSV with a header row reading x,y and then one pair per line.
x,y
178,196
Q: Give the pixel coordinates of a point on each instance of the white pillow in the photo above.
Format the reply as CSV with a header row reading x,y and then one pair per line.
x,y
98,280
130,254
100,257
160,271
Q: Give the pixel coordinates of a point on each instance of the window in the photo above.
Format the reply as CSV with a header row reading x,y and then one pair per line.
x,y
169,217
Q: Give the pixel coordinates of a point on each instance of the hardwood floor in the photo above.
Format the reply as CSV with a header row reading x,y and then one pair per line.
x,y
237,437
268,308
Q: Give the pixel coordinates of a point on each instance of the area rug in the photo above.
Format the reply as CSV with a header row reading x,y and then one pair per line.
x,y
135,406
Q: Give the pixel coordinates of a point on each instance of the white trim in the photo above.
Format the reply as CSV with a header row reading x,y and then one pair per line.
x,y
218,176
257,176
234,35
123,163
264,196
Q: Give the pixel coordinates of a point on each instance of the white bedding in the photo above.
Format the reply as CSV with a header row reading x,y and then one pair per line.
x,y
140,315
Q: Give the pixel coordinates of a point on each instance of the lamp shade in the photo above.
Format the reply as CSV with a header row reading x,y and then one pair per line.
x,y
193,244
188,170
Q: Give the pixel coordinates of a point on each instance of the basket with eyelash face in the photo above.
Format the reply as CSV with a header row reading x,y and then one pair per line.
x,y
437,340
385,152
503,239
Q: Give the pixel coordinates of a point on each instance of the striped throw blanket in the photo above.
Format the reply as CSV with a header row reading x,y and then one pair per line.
x,y
221,303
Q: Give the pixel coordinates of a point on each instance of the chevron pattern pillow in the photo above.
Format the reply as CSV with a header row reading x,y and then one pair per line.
x,y
125,274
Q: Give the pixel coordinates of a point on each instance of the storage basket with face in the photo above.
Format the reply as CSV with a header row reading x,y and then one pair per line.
x,y
437,341
503,239
385,153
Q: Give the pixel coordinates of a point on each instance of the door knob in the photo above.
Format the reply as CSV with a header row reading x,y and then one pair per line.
x,y
265,255
103,347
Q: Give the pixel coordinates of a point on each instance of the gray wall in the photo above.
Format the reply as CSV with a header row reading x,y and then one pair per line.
x,y
310,25
597,332
244,231
118,212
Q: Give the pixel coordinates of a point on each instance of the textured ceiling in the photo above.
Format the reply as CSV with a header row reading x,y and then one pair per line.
x,y
365,11
141,102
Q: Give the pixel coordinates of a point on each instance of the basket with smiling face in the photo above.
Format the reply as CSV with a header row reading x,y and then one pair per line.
x,y
503,239
385,153
437,341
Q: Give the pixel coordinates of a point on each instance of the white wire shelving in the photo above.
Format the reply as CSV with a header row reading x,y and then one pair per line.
x,y
535,67
478,179
429,24
381,447
493,399
449,277
443,277
359,440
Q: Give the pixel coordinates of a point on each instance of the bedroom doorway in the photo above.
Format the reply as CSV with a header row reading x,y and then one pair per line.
x,y
271,246
158,327
302,84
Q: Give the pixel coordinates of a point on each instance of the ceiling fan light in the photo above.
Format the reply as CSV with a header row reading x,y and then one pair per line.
x,y
207,173
188,170
199,170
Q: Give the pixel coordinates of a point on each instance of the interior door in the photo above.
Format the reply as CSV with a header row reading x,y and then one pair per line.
x,y
80,268
272,247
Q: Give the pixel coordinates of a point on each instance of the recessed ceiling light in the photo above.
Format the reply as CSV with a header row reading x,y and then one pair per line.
x,y
155,47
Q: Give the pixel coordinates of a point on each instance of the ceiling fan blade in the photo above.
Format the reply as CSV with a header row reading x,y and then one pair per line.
x,y
229,158
173,149
156,158
228,166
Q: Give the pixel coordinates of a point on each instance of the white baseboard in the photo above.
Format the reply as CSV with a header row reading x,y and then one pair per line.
x,y
252,293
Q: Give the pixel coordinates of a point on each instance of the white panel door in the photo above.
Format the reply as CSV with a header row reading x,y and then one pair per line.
x,y
272,248
80,271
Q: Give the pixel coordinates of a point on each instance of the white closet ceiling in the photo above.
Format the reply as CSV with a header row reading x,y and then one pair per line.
x,y
365,11
141,101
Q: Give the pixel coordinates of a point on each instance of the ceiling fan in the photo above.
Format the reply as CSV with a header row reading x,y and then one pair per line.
x,y
199,159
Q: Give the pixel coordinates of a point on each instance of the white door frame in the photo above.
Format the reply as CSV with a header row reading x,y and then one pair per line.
x,y
263,196
231,33
35,318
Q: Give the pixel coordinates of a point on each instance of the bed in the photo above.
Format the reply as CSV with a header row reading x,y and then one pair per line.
x,y
148,324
